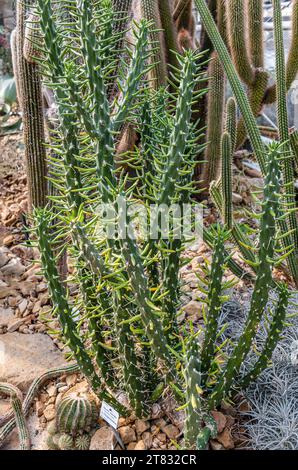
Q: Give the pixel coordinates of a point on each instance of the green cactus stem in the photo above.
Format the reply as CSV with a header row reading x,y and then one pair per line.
x,y
82,442
236,21
263,280
170,32
65,442
273,337
31,103
214,119
294,145
214,300
231,121
31,394
158,75
19,416
255,13
227,182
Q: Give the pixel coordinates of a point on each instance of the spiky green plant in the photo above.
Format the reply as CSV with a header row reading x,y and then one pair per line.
x,y
121,327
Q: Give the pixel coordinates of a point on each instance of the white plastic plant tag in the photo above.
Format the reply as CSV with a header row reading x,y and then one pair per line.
x,y
109,414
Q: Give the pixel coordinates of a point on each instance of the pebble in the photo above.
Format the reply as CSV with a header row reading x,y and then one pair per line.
x,y
147,439
15,325
127,434
49,412
141,426
171,431
226,440
140,446
22,306
8,240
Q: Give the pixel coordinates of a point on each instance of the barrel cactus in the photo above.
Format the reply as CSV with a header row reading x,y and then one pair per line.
x,y
76,413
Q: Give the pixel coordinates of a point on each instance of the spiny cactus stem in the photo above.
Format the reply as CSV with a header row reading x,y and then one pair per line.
x,y
263,280
214,302
226,152
273,337
235,82
19,416
31,103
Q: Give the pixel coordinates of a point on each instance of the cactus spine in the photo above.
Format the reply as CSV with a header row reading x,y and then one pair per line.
x,y
30,96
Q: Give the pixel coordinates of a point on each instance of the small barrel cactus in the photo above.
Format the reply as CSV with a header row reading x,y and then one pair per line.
x,y
76,413
65,442
82,442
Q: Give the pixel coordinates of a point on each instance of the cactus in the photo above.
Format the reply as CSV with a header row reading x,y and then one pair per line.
x,y
32,392
82,442
250,123
214,119
76,413
65,442
31,104
19,415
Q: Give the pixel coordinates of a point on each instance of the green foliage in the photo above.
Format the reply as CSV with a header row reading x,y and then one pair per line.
x,y
121,326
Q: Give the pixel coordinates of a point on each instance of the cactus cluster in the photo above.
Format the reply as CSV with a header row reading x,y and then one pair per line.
x,y
76,415
287,220
240,24
121,327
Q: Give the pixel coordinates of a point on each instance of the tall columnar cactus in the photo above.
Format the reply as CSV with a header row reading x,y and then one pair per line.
x,y
216,97
31,103
19,416
289,236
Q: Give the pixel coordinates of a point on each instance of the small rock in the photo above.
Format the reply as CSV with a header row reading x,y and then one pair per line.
x,y
36,307
103,439
22,306
171,431
140,446
221,420
39,406
147,439
193,309
3,259
141,426
8,240
131,446
71,380
15,325
157,411
13,268
49,412
127,434
162,437
215,445
6,291
236,198
226,440
41,287
6,316
52,391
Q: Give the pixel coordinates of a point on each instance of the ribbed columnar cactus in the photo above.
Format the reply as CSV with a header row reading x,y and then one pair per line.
x,y
216,98
31,103
250,123
19,415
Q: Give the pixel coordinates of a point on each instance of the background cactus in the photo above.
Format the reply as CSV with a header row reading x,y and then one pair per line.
x,y
31,103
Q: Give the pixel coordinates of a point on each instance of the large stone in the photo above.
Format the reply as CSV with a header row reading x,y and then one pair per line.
x,y
25,357
103,439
